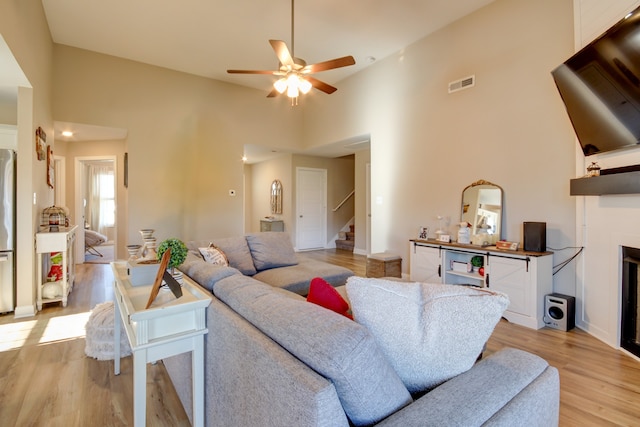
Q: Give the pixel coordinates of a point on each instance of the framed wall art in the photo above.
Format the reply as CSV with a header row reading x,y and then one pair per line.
x,y
41,143
50,169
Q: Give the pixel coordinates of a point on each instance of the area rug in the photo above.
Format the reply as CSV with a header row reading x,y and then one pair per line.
x,y
99,334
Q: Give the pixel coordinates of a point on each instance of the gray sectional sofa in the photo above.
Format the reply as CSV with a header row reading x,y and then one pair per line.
x,y
268,257
274,359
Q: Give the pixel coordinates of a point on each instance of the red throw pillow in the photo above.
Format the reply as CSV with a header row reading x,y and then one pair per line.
x,y
325,295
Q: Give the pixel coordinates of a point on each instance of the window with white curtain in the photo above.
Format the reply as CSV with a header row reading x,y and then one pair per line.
x,y
101,204
107,201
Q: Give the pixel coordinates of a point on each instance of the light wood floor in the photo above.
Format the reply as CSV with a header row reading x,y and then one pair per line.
x,y
46,380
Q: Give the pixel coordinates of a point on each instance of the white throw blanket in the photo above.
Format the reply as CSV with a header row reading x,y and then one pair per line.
x,y
99,337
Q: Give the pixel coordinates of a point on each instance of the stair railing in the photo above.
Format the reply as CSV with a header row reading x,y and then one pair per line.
x,y
344,200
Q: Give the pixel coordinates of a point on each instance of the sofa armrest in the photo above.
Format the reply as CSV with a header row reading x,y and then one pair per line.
x,y
504,389
205,274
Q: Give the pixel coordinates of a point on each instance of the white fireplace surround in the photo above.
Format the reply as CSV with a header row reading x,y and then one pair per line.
x,y
600,289
603,223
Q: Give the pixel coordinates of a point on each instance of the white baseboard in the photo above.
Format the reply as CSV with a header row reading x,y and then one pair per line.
x,y
359,251
24,311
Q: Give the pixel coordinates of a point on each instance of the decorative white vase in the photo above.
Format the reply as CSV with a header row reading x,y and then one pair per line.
x,y
146,233
133,251
149,250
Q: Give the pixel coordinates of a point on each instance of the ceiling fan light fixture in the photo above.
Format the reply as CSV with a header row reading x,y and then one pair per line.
x,y
280,85
292,91
292,70
304,85
293,85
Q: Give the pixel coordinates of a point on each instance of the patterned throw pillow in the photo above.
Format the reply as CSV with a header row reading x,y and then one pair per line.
x,y
214,255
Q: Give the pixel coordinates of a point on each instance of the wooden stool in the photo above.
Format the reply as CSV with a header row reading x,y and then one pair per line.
x,y
384,265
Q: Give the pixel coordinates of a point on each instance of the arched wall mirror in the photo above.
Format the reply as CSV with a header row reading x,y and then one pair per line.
x,y
482,208
276,197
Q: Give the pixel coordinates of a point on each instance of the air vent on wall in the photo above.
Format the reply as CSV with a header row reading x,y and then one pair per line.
x,y
464,83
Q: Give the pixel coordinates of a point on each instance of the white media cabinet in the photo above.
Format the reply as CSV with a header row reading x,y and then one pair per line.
x,y
526,277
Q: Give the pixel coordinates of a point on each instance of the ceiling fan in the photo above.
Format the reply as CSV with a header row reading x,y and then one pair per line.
x,y
295,74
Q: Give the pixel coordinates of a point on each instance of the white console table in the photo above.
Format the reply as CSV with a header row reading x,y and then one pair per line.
x,y
170,326
525,276
62,241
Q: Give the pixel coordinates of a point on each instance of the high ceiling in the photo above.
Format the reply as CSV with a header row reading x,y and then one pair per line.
x,y
207,37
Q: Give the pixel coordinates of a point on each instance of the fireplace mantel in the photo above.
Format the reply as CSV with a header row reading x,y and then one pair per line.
x,y
619,183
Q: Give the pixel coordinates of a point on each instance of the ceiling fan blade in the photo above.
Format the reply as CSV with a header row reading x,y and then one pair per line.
x,y
345,61
273,93
282,52
320,85
252,72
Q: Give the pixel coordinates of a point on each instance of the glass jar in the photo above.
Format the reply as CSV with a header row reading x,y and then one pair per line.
x,y
593,169
54,222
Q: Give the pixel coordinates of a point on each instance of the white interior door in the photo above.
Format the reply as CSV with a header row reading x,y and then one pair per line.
x,y
311,208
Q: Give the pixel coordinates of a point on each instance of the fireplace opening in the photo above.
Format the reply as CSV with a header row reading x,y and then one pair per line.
x,y
630,328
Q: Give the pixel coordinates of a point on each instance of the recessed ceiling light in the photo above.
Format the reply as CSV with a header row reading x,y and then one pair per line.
x,y
67,133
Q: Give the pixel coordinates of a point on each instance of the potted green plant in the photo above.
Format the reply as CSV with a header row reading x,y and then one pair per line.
x,y
477,261
178,254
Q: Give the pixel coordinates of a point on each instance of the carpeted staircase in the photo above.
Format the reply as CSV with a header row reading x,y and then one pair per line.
x,y
347,239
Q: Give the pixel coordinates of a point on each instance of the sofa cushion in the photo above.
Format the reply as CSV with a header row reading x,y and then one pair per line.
x,y
325,295
271,249
236,250
332,345
214,255
207,275
429,332
296,278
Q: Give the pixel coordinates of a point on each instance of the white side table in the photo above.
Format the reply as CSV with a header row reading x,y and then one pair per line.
x,y
62,241
170,326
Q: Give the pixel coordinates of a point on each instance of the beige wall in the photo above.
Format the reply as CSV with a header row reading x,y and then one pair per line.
x,y
362,159
8,113
247,198
262,175
427,145
25,31
186,133
185,138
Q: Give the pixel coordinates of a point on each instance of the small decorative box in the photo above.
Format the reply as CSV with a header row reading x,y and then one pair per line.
x,y
464,267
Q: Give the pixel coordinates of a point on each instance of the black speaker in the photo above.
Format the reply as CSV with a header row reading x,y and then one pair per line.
x,y
560,311
535,236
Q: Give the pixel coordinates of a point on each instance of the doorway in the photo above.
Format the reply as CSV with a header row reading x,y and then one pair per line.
x,y
311,208
96,207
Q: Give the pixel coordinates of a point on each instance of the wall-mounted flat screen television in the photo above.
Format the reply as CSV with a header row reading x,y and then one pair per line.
x,y
600,87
